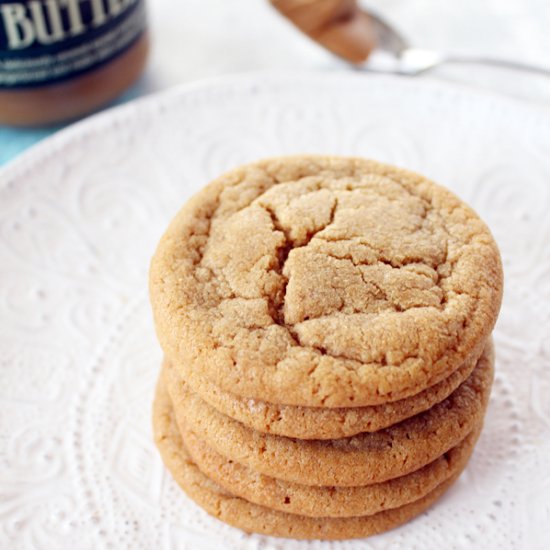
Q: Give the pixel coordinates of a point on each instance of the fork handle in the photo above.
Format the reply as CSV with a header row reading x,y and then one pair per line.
x,y
496,62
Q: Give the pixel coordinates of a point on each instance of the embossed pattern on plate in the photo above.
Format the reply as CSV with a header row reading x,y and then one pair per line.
x,y
79,218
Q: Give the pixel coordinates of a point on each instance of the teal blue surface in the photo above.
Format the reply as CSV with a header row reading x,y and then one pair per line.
x,y
13,141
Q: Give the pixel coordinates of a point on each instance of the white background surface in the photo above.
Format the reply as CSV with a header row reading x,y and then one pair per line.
x,y
202,38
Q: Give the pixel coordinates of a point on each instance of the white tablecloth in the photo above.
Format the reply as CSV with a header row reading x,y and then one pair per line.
x,y
203,38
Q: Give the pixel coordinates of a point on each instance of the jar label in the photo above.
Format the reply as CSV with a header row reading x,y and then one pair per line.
x,y
48,41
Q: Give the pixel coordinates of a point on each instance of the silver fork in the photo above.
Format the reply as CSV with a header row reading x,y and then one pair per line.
x,y
368,42
393,54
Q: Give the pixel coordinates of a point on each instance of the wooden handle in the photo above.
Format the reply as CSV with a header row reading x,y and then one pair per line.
x,y
338,25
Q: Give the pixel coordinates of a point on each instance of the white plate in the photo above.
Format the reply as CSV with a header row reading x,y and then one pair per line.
x,y
79,218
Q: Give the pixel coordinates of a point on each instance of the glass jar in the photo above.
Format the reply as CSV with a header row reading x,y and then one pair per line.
x,y
60,59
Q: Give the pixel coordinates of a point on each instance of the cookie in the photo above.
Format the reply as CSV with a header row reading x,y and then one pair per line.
x,y
324,281
321,422
259,519
359,460
313,501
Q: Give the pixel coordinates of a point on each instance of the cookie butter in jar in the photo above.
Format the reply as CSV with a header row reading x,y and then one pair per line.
x,y
60,59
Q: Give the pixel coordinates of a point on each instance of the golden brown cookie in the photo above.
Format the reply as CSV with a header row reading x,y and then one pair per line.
x,y
320,422
307,500
359,460
259,519
325,281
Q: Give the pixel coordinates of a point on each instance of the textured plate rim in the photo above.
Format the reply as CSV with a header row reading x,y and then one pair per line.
x,y
101,122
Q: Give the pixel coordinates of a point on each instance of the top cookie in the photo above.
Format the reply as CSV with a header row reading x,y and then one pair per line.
x,y
324,281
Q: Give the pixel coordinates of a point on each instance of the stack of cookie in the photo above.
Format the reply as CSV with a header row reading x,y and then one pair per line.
x,y
326,327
